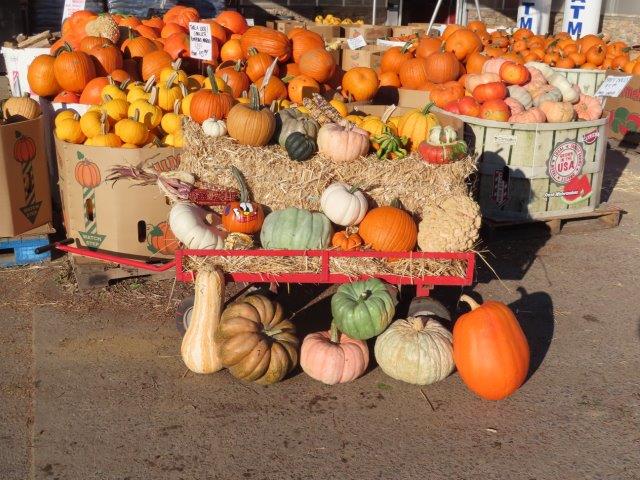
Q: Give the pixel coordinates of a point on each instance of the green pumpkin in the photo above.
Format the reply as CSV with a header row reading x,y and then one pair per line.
x,y
362,310
296,229
299,146
292,120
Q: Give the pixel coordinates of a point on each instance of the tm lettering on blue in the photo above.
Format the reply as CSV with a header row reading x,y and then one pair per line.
x,y
526,21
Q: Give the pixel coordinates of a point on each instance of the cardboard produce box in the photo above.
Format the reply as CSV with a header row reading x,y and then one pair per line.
x,y
325,31
25,194
368,56
624,112
121,217
408,30
369,32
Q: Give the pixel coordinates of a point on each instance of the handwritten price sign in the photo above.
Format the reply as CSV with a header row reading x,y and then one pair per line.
x,y
612,86
200,41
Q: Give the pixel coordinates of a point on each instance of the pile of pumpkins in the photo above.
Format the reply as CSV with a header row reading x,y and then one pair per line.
x,y
252,338
507,91
330,19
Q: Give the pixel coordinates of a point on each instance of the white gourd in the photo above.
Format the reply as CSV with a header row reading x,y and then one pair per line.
x,y
417,350
545,69
569,94
521,95
199,350
188,222
214,128
343,205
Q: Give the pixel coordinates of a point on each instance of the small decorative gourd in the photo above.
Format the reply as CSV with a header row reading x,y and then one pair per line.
x,y
557,112
343,204
130,130
69,130
213,127
251,124
418,350
172,121
169,93
91,123
588,108
199,350
189,224
333,357
148,112
362,309
559,81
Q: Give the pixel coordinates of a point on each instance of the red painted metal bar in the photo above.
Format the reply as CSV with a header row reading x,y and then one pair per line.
x,y
107,257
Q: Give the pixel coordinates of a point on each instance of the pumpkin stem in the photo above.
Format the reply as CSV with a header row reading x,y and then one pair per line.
x,y
405,47
176,65
149,84
469,301
125,83
364,295
254,98
287,78
238,66
353,189
110,80
212,80
244,190
335,333
427,108
176,107
136,115
396,203
171,79
252,51
153,98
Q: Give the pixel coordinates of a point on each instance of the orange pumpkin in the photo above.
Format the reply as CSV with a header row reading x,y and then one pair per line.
x,y
490,91
89,43
475,61
73,70
596,55
126,21
245,215
137,47
41,77
463,43
154,22
236,78
413,73
231,50
291,70
390,79
393,58
477,26
181,15
177,45
147,32
171,28
232,21
92,93
444,93
588,41
389,229
345,240
300,87
450,30
120,75
76,23
207,103
106,58
154,62
441,67
268,41
427,46
361,83
514,74
304,41
274,90
490,350
258,63
317,64
66,97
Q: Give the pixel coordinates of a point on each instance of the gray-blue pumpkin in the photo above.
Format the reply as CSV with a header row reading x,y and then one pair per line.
x,y
296,229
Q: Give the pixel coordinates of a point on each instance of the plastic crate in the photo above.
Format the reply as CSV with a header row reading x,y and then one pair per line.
x,y
20,250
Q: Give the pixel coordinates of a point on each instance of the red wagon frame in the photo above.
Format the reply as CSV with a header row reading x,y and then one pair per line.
x,y
423,283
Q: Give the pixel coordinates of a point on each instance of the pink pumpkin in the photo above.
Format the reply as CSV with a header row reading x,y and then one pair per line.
x,y
493,65
333,357
514,105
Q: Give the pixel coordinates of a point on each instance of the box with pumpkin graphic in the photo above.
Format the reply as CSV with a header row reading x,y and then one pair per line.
x,y
25,195
119,217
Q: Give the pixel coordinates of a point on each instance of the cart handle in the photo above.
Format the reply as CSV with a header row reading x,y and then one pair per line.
x,y
51,246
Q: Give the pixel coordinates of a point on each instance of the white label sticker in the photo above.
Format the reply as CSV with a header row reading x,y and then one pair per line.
x,y
505,139
71,7
356,42
250,22
613,86
200,41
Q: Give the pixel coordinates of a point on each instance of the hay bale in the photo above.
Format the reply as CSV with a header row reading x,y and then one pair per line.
x,y
278,182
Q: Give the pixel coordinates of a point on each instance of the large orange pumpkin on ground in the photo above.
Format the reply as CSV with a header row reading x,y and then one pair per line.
x,y
490,350
317,64
268,41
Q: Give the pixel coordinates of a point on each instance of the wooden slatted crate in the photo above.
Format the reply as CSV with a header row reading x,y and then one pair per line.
x,y
588,80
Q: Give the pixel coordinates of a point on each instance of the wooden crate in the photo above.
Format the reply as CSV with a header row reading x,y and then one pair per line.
x,y
588,80
537,171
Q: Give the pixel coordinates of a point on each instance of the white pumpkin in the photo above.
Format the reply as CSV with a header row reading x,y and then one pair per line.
x,y
214,128
545,69
417,350
343,204
188,222
569,93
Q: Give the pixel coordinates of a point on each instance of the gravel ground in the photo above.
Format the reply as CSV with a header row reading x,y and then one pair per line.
x,y
92,385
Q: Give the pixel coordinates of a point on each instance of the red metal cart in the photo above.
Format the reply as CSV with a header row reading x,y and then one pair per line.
x,y
423,284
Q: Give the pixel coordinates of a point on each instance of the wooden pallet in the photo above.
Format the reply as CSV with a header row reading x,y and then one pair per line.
x,y
605,216
92,274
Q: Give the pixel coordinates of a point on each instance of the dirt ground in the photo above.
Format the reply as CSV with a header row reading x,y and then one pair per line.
x,y
92,385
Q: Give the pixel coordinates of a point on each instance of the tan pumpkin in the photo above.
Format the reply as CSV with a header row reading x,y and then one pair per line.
x,y
533,115
23,107
557,112
342,144
199,350
588,108
251,124
254,342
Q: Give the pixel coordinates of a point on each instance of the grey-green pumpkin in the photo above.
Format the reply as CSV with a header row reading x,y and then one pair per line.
x,y
292,120
300,147
362,310
296,229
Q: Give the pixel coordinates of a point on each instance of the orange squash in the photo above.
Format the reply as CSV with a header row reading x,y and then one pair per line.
x,y
441,67
490,350
41,77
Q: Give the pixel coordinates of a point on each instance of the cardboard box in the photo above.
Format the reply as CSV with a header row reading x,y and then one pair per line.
x,y
624,112
17,61
408,30
327,32
369,32
368,56
121,217
403,97
25,194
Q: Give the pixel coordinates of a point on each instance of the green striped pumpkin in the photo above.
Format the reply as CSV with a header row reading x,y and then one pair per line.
x,y
296,229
